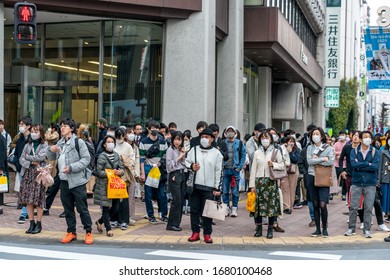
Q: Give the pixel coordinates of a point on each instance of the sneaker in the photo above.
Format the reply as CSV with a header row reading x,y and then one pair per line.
x,y
325,233
367,234
22,220
132,222
234,212
124,226
297,206
362,226
316,233
387,220
350,232
227,214
164,219
115,224
62,215
383,227
343,198
88,239
153,220
387,239
69,237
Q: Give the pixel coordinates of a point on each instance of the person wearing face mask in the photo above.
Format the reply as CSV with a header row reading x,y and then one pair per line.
x,y
135,156
365,164
319,153
338,147
232,168
267,194
23,138
252,144
152,151
32,194
208,181
123,209
108,159
187,148
111,132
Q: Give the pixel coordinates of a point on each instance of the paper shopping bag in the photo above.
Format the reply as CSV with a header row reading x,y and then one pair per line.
x,y
116,187
3,184
153,179
214,210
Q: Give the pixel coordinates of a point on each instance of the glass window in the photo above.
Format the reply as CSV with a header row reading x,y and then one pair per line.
x,y
254,2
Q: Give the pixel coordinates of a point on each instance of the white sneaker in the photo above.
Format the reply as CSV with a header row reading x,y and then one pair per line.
x,y
383,227
367,234
227,211
234,212
362,226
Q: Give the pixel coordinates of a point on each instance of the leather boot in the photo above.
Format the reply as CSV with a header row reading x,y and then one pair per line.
x,y
259,231
270,234
38,228
31,228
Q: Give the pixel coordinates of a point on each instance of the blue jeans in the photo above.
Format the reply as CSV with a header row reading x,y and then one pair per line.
x,y
161,197
227,177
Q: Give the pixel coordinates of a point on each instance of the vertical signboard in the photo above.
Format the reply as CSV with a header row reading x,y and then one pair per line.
x,y
332,53
377,41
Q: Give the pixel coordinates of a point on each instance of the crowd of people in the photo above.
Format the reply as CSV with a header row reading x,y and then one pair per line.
x,y
281,168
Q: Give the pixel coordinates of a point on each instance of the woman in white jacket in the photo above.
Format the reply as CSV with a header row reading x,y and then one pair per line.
x,y
267,194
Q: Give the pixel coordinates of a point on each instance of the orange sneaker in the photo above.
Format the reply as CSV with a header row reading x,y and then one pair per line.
x,y
69,237
88,239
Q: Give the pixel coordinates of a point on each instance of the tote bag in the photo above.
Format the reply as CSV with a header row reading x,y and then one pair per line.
x,y
214,210
276,174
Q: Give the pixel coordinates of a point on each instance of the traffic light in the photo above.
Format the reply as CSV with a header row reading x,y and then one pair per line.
x,y
25,27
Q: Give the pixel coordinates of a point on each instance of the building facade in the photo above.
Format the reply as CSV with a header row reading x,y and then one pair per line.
x,y
232,62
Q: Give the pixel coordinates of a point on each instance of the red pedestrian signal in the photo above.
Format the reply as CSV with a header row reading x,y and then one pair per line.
x,y
25,27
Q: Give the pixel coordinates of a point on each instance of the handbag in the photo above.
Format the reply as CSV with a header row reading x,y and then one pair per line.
x,y
292,169
4,184
191,179
323,176
214,210
276,174
44,176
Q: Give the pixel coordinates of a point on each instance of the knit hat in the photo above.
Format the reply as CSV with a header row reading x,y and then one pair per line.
x,y
103,121
259,126
231,127
207,131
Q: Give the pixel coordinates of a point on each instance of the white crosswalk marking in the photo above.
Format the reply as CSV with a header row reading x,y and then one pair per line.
x,y
197,256
307,255
55,254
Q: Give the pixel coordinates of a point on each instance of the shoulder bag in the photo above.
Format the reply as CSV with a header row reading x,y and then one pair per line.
x,y
191,178
323,174
276,174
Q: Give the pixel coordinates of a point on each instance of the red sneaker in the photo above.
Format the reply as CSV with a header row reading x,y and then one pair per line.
x,y
69,237
194,237
207,238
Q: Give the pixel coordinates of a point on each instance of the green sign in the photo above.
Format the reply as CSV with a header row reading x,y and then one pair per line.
x,y
332,97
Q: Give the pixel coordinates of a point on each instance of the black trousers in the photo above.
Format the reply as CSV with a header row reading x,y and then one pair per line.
x,y
52,192
177,188
75,197
120,211
197,200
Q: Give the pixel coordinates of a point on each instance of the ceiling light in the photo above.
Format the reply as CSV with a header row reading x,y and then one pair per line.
x,y
78,70
146,41
86,43
105,64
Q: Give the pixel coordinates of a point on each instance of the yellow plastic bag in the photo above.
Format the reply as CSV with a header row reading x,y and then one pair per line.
x,y
153,179
3,184
116,187
251,202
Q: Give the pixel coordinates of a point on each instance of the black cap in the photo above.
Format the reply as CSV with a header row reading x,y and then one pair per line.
x,y
207,131
259,126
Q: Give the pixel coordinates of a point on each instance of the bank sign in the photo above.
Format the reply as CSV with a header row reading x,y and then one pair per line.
x,y
377,41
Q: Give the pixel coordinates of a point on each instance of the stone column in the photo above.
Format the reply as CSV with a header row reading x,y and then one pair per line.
x,y
2,61
264,98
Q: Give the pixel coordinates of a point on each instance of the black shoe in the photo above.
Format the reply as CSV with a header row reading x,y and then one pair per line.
x,y
387,239
89,195
316,233
174,228
270,233
38,228
31,228
259,231
46,212
287,211
325,233
62,215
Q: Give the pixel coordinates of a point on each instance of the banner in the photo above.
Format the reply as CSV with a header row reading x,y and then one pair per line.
x,y
377,41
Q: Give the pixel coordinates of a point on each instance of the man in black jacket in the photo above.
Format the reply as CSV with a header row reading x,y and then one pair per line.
x,y
195,141
218,142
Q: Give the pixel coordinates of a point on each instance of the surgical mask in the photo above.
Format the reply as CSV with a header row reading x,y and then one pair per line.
x,y
154,132
348,139
120,141
230,135
131,136
204,142
110,147
85,132
275,137
293,136
22,129
265,143
49,129
35,136
342,138
110,133
316,139
367,141
187,145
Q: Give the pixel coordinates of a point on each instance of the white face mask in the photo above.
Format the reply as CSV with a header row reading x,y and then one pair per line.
x,y
22,129
204,142
367,141
35,136
342,138
120,141
110,133
110,147
265,143
316,139
275,137
131,136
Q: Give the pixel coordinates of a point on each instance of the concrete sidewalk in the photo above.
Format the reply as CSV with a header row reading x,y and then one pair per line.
x,y
233,231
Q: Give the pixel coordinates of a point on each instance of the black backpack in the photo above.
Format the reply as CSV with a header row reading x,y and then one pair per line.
x,y
91,149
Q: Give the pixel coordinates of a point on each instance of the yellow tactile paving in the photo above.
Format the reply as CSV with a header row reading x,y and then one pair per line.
x,y
169,239
292,240
252,240
147,239
232,240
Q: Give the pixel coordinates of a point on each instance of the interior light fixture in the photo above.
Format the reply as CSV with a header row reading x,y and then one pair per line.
x,y
79,70
146,41
86,43
105,64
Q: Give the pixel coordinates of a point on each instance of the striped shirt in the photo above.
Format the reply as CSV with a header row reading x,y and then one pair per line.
x,y
144,146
